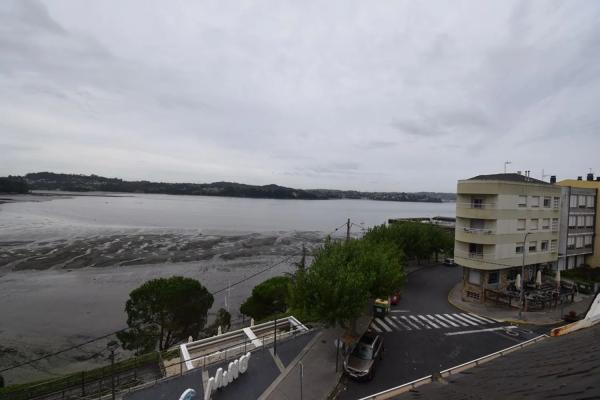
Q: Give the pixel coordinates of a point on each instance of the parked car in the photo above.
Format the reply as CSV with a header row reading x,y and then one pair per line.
x,y
361,362
449,262
395,298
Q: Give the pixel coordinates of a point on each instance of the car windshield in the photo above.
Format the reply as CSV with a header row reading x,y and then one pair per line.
x,y
363,351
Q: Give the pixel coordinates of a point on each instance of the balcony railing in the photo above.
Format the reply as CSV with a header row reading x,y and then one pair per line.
x,y
479,231
474,255
475,205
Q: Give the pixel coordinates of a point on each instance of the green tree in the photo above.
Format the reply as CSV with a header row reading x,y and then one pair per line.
x,y
344,278
416,240
165,311
268,298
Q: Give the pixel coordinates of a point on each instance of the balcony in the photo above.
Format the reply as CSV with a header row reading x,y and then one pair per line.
x,y
474,255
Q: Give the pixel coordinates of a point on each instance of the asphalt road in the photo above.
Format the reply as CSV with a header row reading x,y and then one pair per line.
x,y
424,334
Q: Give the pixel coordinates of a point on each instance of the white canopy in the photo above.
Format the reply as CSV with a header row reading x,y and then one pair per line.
x,y
518,282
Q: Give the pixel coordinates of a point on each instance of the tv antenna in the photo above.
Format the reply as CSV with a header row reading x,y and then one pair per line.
x,y
505,164
544,175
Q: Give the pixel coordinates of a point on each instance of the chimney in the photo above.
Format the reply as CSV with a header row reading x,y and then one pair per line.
x,y
598,178
553,179
519,172
590,177
579,178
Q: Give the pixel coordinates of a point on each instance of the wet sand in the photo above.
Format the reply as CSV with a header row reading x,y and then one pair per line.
x,y
59,292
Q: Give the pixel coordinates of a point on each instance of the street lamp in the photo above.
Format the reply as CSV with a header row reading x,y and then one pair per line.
x,y
523,276
112,346
301,376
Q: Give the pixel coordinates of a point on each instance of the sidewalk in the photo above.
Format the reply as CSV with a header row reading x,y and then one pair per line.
x,y
318,360
551,316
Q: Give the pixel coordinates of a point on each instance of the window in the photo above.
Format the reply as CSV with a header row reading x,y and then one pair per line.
x,y
532,246
477,203
546,223
581,200
570,243
521,224
554,224
573,201
522,201
519,248
556,202
544,245
535,201
589,221
579,242
474,277
590,202
587,241
581,221
534,224
547,202
571,262
493,277
553,245
572,221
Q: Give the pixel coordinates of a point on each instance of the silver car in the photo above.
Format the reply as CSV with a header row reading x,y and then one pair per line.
x,y
360,363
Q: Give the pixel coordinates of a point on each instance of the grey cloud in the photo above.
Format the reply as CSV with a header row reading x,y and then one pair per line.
x,y
339,95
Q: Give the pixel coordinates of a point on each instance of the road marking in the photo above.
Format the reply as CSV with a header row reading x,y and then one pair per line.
x,y
419,322
458,316
499,328
447,321
400,311
461,323
491,321
428,321
471,318
374,326
410,323
408,328
389,321
383,325
437,321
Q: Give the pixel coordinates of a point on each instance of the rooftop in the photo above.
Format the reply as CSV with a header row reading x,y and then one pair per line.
x,y
510,177
564,367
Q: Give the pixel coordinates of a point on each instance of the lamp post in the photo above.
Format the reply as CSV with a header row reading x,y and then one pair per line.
x,y
112,346
523,276
301,376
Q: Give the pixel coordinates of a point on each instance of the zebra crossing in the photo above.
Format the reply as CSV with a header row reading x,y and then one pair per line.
x,y
417,322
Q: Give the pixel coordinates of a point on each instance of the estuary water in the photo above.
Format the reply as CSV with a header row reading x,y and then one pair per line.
x,y
219,214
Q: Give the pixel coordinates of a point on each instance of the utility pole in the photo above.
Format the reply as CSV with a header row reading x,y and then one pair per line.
x,y
348,230
112,346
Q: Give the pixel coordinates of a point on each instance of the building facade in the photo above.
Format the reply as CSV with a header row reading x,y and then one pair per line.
x,y
503,220
579,244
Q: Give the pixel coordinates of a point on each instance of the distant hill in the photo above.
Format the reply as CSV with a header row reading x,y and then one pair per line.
x,y
86,183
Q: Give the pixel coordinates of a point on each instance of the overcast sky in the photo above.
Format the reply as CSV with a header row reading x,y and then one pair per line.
x,y
369,95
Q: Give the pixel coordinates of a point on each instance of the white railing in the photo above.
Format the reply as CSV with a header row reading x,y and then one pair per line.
x,y
474,255
395,391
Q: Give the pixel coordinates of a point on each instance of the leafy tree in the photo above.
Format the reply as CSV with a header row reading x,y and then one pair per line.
x,y
223,319
414,239
344,278
268,298
165,311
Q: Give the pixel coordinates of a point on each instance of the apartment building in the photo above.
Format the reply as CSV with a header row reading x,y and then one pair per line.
x,y
579,244
501,219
